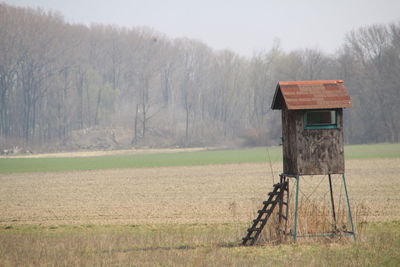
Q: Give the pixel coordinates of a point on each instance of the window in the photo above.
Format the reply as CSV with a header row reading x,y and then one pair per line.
x,y
320,119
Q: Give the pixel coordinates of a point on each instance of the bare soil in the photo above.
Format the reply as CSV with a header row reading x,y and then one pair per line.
x,y
220,193
81,154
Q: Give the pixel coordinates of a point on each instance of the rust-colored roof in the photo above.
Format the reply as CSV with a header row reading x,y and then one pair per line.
x,y
311,95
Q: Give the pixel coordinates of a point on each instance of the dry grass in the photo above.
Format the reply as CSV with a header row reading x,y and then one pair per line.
x,y
315,224
185,245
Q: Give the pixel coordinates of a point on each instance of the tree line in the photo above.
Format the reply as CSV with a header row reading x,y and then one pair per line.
x,y
144,89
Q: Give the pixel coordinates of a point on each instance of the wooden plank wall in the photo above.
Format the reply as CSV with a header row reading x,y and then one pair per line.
x,y
311,152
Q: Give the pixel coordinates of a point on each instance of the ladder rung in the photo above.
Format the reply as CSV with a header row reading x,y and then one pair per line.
x,y
265,211
279,184
284,203
259,220
267,202
253,229
274,193
247,238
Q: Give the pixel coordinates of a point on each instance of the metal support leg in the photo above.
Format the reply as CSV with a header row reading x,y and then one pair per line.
x,y
332,202
348,208
296,212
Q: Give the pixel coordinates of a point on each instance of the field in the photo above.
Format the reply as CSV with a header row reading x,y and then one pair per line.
x,y
185,215
97,160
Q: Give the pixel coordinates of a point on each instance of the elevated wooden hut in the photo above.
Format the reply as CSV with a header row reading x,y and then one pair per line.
x,y
312,125
312,133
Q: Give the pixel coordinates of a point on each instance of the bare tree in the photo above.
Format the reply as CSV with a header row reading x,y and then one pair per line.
x,y
58,80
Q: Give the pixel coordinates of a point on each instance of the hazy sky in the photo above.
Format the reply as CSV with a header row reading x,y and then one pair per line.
x,y
243,26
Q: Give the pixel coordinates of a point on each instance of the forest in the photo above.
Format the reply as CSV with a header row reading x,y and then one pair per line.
x,y
69,86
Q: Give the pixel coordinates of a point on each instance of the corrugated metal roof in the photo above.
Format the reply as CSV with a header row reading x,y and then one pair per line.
x,y
311,95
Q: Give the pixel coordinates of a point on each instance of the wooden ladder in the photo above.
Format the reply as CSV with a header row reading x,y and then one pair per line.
x,y
276,197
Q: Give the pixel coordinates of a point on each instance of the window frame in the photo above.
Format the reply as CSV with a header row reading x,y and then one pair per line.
x,y
308,126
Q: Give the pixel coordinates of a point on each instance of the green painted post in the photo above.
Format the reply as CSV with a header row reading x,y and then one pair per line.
x,y
296,212
348,207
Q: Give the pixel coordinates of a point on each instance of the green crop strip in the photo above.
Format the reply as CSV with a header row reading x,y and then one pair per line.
x,y
209,157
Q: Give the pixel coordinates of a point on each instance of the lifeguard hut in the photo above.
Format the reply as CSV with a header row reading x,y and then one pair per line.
x,y
312,140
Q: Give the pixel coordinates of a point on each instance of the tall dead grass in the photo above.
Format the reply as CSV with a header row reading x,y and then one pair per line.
x,y
315,224
185,245
316,221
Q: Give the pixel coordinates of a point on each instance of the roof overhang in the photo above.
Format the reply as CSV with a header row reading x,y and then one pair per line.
x,y
298,95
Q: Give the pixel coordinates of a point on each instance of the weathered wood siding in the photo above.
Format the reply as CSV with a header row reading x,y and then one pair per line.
x,y
289,141
309,152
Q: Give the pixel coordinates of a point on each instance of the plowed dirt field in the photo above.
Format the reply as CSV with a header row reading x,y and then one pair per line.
x,y
215,193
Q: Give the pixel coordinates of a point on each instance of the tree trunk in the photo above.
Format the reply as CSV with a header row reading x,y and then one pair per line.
x,y
187,109
144,120
96,115
135,127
